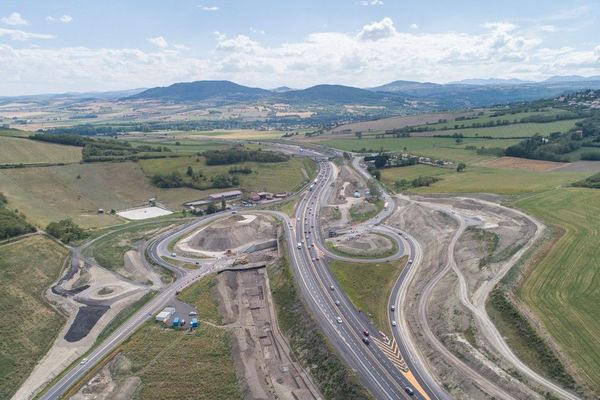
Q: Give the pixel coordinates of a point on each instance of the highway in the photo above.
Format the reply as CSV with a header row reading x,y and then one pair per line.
x,y
379,364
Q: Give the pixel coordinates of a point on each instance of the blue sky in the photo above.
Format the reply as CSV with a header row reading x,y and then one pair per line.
x,y
80,45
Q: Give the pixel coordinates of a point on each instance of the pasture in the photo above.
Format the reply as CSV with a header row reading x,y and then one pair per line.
x,y
271,177
14,150
47,194
436,147
478,179
27,268
563,288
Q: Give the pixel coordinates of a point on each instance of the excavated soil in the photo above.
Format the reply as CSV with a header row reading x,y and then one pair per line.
x,y
495,236
233,232
365,244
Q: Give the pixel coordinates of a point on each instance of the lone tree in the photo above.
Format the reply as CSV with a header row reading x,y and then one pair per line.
x,y
461,167
190,171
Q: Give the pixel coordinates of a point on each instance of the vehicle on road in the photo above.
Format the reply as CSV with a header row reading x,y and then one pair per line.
x,y
337,303
394,323
173,255
410,261
193,313
83,361
339,320
299,245
393,308
366,340
409,391
366,333
331,287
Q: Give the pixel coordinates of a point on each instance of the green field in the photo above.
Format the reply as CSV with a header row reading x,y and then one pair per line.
x,y
369,286
15,150
110,250
179,365
515,130
200,296
476,179
271,177
48,194
487,118
563,289
442,148
27,268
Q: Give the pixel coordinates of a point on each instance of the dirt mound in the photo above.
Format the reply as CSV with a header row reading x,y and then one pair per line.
x,y
369,244
234,232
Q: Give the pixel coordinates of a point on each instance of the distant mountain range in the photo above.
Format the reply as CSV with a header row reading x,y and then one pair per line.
x,y
461,94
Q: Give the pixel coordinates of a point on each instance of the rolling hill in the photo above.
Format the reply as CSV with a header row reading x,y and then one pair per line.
x,y
215,91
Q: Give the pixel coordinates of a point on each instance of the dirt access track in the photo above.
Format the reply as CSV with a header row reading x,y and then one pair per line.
x,y
261,355
448,320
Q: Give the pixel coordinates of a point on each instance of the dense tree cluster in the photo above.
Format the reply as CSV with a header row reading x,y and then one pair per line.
x,y
11,222
240,154
66,230
95,149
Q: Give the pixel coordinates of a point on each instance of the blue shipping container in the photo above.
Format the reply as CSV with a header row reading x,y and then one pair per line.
x,y
175,322
194,323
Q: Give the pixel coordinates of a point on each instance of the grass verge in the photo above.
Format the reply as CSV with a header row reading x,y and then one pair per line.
x,y
369,286
200,295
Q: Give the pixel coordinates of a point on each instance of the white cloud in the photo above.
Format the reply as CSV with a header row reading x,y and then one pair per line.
x,y
377,53
13,19
64,18
209,8
378,30
16,34
371,3
181,47
413,26
159,41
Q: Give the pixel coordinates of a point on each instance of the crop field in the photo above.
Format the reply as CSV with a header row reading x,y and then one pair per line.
x,y
487,118
78,190
184,146
563,289
369,286
242,134
522,163
27,268
512,131
15,150
443,148
180,365
271,177
476,179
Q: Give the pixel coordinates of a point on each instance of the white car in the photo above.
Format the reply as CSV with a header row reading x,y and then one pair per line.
x,y
83,361
393,323
339,320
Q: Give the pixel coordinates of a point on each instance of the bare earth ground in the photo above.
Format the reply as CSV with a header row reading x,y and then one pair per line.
x,y
260,353
361,244
449,320
120,293
235,234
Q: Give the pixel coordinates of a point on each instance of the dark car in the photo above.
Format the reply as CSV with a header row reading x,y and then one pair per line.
x,y
366,340
409,391
366,333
